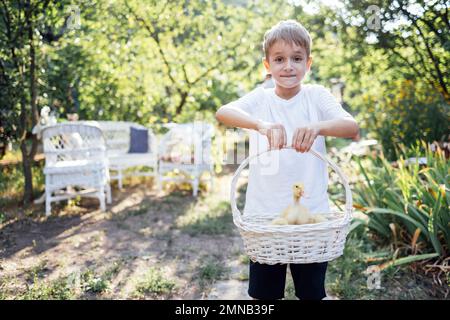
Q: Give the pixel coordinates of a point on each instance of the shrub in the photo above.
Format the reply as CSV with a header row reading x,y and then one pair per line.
x,y
406,204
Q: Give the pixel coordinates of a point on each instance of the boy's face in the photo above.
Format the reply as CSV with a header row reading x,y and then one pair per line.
x,y
288,64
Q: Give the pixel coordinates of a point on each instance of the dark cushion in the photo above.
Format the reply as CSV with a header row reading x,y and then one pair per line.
x,y
138,140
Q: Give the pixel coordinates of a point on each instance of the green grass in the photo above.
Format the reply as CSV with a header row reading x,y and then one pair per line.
x,y
211,270
345,275
37,271
244,259
154,283
12,183
3,287
242,276
100,283
93,283
289,291
59,289
207,217
75,285
348,276
138,210
210,215
114,269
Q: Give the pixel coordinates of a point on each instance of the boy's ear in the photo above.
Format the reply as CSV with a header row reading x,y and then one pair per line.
x,y
309,63
266,64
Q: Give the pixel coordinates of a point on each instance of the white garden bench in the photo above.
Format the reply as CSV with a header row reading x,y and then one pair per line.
x,y
186,148
117,136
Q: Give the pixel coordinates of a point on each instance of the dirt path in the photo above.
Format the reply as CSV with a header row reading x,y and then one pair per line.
x,y
141,231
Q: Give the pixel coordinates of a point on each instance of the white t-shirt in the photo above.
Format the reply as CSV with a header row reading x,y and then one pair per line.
x,y
272,174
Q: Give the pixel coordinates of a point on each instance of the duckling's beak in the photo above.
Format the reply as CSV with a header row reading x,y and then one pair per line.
x,y
301,193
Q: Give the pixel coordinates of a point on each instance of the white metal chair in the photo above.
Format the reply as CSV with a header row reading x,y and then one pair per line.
x,y
186,148
75,158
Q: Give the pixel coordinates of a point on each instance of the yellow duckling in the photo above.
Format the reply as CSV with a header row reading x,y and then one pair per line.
x,y
297,213
280,221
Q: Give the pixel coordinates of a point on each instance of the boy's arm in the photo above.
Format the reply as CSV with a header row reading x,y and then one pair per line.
x,y
304,137
235,117
335,121
341,128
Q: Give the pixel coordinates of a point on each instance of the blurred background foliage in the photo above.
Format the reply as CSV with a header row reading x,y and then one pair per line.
x,y
162,61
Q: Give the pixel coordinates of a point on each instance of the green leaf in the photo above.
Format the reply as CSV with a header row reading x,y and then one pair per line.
x,y
409,259
401,215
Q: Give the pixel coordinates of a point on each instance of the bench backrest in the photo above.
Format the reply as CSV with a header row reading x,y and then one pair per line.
x,y
72,141
187,143
117,136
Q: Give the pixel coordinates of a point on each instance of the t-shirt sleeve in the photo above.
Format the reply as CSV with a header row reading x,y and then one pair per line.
x,y
248,102
329,107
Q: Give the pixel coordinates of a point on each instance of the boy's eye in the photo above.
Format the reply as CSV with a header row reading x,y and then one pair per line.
x,y
298,59
278,59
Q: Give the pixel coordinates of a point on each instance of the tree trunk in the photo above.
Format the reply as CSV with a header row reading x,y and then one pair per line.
x,y
27,173
28,156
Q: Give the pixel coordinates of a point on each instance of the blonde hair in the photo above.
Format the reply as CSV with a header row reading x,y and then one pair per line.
x,y
289,31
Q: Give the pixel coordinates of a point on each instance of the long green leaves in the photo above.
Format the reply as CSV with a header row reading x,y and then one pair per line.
x,y
409,197
406,260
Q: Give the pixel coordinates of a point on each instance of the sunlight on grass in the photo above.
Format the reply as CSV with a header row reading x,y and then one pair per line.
x,y
59,289
12,183
208,216
211,270
75,285
154,282
345,275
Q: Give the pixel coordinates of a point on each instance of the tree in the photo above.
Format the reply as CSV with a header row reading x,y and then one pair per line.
x,y
413,34
24,25
151,61
196,43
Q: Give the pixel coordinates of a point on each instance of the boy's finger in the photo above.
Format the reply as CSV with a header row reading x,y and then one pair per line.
x,y
281,139
294,137
272,139
311,142
275,139
305,142
299,140
295,141
269,138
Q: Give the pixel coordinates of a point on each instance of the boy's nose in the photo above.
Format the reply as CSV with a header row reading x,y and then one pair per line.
x,y
288,65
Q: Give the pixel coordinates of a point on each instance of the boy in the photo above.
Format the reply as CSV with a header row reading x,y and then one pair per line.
x,y
291,114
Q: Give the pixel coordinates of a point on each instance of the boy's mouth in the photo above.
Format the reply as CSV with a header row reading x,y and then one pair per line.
x,y
291,76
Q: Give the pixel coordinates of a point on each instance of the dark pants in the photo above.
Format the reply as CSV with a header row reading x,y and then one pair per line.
x,y
267,282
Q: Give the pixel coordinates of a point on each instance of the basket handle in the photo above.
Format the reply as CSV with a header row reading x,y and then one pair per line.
x,y
348,194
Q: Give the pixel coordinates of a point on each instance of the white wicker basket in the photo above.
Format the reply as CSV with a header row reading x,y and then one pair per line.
x,y
309,243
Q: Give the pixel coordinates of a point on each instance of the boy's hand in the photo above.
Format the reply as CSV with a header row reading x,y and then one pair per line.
x,y
275,133
304,137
